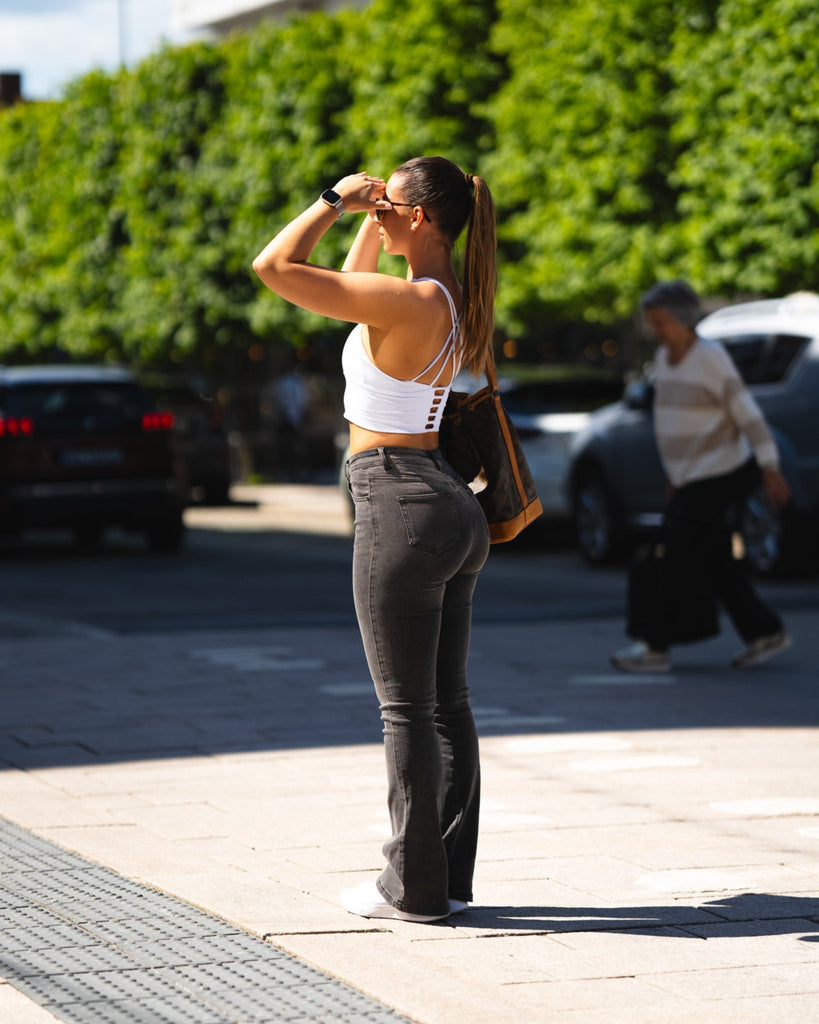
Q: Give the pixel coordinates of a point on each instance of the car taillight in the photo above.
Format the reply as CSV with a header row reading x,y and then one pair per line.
x,y
157,421
16,426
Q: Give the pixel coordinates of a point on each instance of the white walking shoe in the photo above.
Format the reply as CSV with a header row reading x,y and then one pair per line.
x,y
761,649
639,657
366,901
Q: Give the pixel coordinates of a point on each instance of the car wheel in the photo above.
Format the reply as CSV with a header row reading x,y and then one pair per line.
x,y
166,535
597,525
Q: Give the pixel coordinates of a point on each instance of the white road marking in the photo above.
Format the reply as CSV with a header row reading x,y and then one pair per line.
x,y
503,719
257,659
625,679
348,690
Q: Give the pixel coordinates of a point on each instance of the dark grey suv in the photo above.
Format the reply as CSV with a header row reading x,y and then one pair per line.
x,y
616,482
85,448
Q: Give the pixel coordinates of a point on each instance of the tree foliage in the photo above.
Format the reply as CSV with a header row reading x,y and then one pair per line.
x,y
583,159
746,122
622,141
421,74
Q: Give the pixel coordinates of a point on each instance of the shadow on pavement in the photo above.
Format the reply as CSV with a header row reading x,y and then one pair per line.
x,y
748,914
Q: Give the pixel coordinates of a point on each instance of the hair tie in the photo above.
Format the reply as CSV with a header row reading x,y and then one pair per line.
x,y
470,179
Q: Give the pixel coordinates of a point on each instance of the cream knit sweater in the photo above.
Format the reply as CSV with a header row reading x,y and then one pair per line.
x,y
705,420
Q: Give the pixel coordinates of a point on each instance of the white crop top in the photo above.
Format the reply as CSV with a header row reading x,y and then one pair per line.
x,y
376,401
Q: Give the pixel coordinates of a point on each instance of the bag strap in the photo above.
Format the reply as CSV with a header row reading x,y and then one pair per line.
x,y
490,371
506,430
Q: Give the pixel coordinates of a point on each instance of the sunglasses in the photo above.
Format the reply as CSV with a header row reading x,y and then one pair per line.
x,y
379,214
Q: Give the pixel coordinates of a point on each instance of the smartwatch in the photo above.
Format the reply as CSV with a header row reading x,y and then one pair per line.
x,y
332,198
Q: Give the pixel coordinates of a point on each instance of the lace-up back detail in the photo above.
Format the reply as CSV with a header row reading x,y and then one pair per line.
x,y
376,401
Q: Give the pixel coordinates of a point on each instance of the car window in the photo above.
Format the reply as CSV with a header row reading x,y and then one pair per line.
x,y
60,403
568,395
764,358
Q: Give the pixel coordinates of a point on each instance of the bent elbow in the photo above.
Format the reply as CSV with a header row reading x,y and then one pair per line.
x,y
259,265
267,270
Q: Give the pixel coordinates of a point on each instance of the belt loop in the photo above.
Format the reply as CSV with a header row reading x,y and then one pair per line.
x,y
385,459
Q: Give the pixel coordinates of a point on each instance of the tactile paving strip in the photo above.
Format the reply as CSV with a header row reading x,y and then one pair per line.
x,y
95,948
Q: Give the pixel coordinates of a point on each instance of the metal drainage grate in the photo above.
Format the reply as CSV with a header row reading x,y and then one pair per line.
x,y
95,948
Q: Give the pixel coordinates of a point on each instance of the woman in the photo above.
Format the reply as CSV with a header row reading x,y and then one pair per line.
x,y
711,436
420,535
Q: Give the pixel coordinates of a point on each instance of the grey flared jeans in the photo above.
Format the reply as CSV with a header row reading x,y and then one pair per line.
x,y
421,539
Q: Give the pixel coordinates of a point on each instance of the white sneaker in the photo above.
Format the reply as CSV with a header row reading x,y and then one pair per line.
x,y
639,657
457,906
761,649
366,901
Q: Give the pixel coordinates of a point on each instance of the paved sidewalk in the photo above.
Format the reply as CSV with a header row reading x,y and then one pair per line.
x,y
649,848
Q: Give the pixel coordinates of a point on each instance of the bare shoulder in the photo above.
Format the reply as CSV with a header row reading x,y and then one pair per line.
x,y
405,346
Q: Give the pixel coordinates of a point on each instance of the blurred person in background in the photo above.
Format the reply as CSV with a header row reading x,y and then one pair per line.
x,y
290,393
713,440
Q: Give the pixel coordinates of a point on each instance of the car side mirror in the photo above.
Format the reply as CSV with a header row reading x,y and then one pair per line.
x,y
639,394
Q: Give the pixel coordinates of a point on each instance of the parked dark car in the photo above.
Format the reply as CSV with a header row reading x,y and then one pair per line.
x,y
199,437
616,481
86,448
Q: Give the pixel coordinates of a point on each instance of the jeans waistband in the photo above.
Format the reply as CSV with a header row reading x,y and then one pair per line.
x,y
388,455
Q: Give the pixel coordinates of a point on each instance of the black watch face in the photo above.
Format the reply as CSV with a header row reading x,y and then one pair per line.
x,y
331,196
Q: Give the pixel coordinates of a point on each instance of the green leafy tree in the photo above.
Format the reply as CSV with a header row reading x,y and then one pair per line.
x,y
282,140
88,230
746,114
622,141
172,258
27,308
582,163
61,222
423,71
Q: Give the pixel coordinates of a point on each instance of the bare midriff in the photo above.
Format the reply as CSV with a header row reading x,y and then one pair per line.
x,y
361,439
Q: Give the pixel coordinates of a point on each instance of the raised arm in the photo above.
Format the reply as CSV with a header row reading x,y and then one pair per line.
x,y
283,263
363,254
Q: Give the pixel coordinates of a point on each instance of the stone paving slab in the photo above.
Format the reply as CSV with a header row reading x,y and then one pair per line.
x,y
19,1009
652,839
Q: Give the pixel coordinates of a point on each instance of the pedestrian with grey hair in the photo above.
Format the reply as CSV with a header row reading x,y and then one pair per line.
x,y
713,441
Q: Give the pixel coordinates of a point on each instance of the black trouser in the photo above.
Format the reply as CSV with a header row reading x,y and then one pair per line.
x,y
700,520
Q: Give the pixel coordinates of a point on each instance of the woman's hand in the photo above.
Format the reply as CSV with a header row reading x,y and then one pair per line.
x,y
776,488
284,264
359,192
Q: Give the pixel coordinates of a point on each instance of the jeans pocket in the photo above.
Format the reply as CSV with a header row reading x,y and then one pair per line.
x,y
431,521
358,485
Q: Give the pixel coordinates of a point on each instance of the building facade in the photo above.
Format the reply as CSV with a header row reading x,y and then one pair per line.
x,y
219,17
